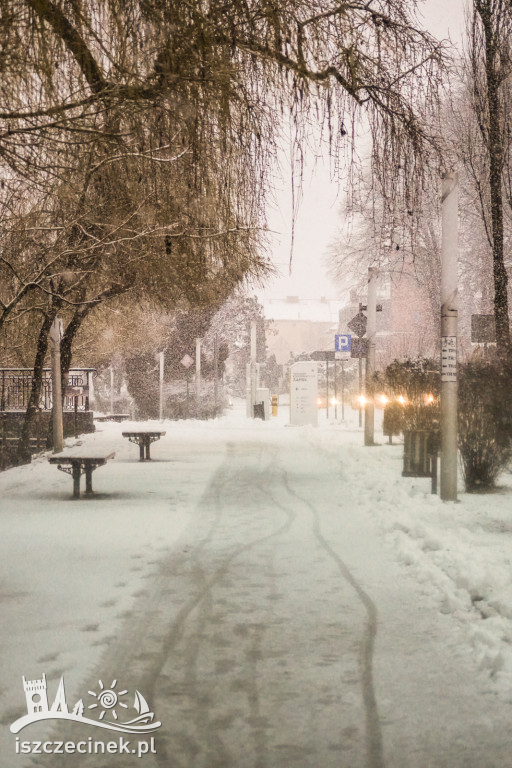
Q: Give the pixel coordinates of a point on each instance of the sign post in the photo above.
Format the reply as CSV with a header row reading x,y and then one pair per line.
x,y
327,387
343,348
343,390
448,484
369,412
358,325
186,362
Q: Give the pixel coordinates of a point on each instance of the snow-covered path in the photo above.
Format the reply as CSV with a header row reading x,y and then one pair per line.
x,y
267,621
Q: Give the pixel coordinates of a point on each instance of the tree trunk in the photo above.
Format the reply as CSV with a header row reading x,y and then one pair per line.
x,y
66,346
37,381
495,148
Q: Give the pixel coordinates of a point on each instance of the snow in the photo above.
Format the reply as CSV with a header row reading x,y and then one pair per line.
x,y
459,552
73,571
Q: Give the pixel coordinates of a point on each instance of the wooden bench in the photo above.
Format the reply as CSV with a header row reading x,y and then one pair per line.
x,y
143,438
35,443
77,464
113,417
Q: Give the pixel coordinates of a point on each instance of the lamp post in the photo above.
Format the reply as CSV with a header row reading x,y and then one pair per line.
x,y
55,338
161,389
371,331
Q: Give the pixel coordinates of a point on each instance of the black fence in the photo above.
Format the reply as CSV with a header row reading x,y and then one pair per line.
x,y
16,385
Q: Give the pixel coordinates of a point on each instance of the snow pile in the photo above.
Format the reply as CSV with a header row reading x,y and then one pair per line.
x,y
460,553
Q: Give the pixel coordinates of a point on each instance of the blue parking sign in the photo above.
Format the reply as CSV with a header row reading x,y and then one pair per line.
x,y
342,342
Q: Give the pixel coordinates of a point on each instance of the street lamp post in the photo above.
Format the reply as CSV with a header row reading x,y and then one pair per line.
x,y
58,433
371,331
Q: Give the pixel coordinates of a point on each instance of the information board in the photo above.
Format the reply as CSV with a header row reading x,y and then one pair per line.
x,y
303,393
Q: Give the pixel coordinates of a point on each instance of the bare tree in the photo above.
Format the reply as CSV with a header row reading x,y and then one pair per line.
x,y
489,71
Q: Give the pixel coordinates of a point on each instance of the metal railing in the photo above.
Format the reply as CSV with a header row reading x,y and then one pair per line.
x,y
16,385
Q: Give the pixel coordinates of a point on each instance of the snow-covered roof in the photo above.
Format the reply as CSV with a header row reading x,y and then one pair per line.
x,y
321,310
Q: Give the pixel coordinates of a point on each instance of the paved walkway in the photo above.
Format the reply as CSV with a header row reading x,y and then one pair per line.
x,y
280,633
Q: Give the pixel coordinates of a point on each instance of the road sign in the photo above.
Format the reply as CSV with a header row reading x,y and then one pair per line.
x,y
343,342
187,361
322,355
359,348
358,324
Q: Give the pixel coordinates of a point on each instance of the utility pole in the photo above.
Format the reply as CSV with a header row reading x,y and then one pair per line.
x,y
198,373
327,387
335,394
360,388
161,409
371,331
253,369
215,371
55,337
342,391
449,214
111,389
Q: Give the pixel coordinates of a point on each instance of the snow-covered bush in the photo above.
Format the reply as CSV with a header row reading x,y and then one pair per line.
x,y
181,406
416,382
485,420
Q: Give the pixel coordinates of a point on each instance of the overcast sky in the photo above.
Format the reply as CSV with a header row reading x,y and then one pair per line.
x,y
318,215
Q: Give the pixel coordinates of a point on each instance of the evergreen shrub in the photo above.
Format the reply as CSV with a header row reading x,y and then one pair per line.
x,y
484,420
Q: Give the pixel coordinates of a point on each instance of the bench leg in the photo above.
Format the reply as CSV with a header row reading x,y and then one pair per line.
x,y
141,450
88,480
148,443
76,480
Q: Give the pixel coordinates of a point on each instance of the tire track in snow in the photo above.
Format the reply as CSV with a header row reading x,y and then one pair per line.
x,y
373,737
373,731
179,624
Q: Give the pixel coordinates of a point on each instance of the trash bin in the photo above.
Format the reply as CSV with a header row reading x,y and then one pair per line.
x,y
420,454
259,411
419,447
